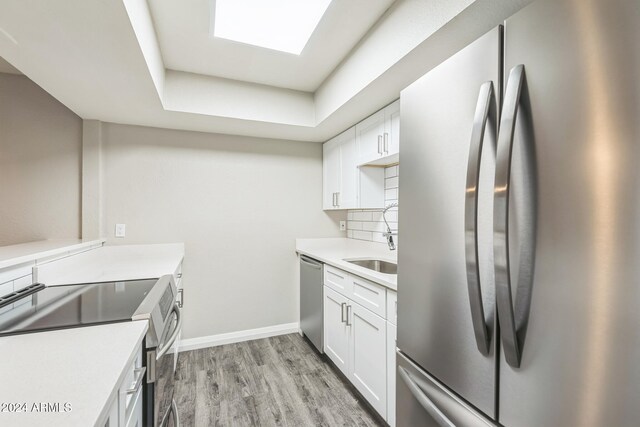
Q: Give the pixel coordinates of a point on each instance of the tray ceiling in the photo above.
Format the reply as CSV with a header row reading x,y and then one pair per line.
x,y
183,29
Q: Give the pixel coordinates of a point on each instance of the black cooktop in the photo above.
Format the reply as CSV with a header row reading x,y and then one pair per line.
x,y
58,307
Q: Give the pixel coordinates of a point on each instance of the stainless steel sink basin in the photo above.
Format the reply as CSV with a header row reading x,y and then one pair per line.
x,y
376,265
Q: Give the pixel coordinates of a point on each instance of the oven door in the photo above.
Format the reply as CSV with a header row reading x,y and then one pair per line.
x,y
165,410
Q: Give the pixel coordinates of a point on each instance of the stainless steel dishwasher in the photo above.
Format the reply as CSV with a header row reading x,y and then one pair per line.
x,y
311,300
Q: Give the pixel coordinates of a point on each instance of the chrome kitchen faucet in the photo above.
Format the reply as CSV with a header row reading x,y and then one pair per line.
x,y
389,234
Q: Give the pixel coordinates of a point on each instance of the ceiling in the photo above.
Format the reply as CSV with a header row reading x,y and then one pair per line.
x,y
152,63
183,30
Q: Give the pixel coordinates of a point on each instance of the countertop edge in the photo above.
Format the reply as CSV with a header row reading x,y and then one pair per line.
x,y
343,265
49,252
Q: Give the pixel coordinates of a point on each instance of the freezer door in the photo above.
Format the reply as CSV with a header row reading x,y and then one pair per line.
x,y
578,123
446,296
422,401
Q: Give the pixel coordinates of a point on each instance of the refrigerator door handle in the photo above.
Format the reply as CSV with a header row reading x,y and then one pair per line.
x,y
424,401
485,112
510,341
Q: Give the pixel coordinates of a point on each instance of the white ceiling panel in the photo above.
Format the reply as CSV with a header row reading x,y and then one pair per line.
x,y
183,28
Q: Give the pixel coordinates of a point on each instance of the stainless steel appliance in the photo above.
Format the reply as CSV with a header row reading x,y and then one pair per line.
x,y
518,283
311,300
38,308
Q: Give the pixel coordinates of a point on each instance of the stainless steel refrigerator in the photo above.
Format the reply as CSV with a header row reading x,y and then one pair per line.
x,y
519,263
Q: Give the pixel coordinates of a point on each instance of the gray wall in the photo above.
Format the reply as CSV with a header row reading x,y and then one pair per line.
x,y
40,164
238,204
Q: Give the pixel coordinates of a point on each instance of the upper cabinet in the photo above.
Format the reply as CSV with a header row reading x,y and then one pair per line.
x,y
378,137
352,174
340,174
330,173
369,137
345,186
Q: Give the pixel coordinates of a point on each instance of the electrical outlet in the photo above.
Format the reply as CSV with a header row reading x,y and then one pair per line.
x,y
343,225
121,230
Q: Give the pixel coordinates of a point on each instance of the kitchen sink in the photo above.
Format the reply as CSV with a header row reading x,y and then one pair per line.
x,y
376,265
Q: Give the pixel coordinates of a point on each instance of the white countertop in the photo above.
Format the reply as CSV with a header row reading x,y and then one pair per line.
x,y
81,366
25,252
334,251
112,263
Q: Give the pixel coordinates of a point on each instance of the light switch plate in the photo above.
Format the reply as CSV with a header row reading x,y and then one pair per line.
x,y
343,225
121,230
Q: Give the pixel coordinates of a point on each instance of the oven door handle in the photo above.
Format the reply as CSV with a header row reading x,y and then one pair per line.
x,y
174,335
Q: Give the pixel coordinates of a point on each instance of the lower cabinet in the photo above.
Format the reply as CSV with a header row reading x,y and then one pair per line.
x,y
368,356
125,410
336,329
358,342
392,336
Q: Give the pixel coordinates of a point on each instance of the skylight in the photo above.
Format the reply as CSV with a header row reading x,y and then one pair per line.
x,y
284,25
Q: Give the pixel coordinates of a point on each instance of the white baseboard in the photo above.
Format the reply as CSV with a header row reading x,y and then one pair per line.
x,y
240,336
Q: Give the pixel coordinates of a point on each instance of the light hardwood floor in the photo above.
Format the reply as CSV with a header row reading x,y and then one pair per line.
x,y
278,381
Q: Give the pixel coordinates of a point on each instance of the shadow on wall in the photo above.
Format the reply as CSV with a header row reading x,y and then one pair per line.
x,y
40,164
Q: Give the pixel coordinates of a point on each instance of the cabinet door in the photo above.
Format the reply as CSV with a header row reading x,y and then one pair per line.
x,y
112,419
368,356
330,173
336,332
392,129
369,134
348,193
391,374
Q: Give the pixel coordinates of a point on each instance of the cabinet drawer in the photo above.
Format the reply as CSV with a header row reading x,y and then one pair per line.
x,y
369,295
392,306
129,402
338,280
134,412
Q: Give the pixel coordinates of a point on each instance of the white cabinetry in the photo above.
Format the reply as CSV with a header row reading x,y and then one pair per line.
x,y
125,410
177,275
356,335
336,330
330,173
378,137
369,137
344,185
392,336
391,145
368,356
340,172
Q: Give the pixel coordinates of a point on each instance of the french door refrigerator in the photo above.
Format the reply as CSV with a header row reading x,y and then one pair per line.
x,y
519,281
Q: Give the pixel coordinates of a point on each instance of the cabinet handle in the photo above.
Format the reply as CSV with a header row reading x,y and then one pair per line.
x,y
334,200
343,305
338,199
386,142
181,300
138,383
379,144
348,315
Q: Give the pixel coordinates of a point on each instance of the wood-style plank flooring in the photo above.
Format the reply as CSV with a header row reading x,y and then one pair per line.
x,y
278,381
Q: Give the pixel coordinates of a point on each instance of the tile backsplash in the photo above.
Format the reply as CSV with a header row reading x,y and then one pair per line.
x,y
368,224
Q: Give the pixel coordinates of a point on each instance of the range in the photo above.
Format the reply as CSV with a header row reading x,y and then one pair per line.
x,y
40,308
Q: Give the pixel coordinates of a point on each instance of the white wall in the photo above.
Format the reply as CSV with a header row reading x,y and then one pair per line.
x,y
404,26
40,164
238,204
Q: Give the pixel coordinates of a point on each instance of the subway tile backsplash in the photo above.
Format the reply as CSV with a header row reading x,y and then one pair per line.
x,y
369,225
